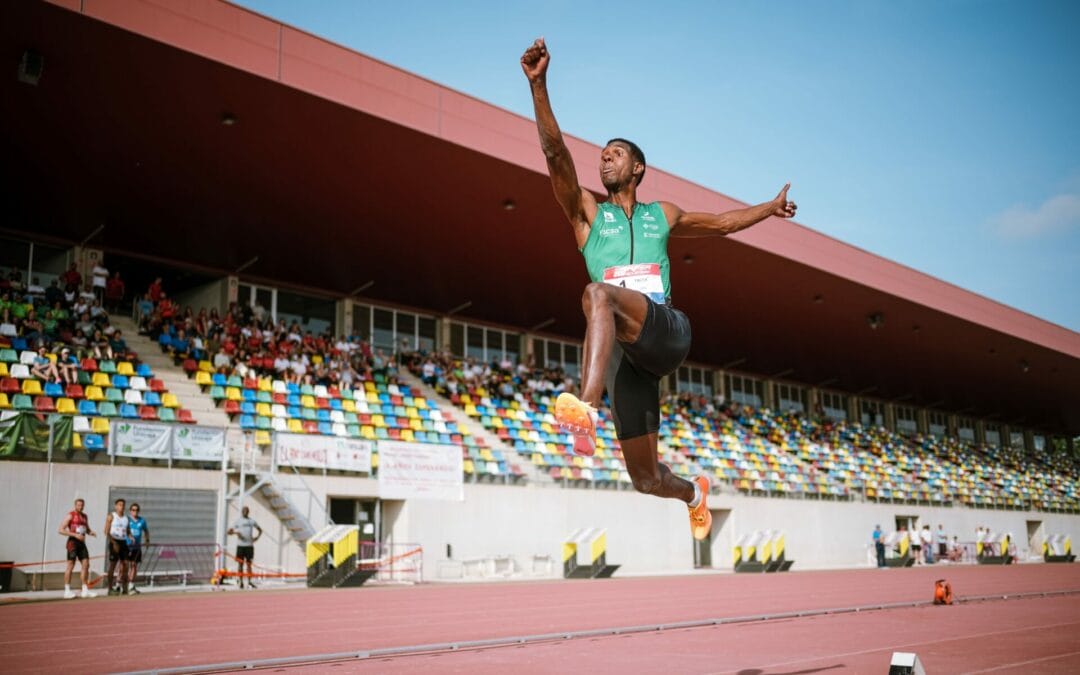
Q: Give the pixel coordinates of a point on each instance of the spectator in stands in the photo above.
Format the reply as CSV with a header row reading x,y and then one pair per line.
x,y
32,328
68,366
14,277
43,368
145,310
76,527
79,340
72,277
942,540
99,347
54,294
118,345
244,529
222,361
879,545
155,292
114,292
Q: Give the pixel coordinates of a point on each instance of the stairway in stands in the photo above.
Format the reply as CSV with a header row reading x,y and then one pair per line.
x,y
298,525
532,473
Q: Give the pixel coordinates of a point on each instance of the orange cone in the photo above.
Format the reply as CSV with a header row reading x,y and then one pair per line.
x,y
942,592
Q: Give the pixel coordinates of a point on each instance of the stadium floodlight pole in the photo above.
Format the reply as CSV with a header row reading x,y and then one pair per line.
x,y
246,265
363,287
93,234
460,308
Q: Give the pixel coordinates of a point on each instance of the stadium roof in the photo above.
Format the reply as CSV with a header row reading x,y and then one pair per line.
x,y
338,169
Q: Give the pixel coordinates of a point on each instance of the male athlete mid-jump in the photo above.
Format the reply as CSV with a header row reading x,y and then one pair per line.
x,y
634,336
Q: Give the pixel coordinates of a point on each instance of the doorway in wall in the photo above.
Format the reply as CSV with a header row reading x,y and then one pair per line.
x,y
703,550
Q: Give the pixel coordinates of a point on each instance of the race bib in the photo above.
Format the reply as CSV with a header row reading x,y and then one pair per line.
x,y
643,278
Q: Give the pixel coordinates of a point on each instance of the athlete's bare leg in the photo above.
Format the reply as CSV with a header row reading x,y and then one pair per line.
x,y
67,572
648,474
612,313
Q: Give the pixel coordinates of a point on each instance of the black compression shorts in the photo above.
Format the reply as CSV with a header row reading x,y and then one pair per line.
x,y
118,549
635,370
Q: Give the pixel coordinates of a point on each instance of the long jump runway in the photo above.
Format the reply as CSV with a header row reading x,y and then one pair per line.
x,y
1027,619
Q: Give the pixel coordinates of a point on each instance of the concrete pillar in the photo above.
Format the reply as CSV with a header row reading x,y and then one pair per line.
x,y
343,316
768,394
922,420
853,408
1029,440
890,417
980,432
952,426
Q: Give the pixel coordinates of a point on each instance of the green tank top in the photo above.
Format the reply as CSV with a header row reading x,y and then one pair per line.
x,y
630,253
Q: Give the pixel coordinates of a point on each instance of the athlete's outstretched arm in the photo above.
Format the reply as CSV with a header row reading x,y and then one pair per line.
x,y
578,205
689,224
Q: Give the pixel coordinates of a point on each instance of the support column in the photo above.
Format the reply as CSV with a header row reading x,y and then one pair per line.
x,y
921,419
890,417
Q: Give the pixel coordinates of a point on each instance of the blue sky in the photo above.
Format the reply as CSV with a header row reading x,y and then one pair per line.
x,y
942,135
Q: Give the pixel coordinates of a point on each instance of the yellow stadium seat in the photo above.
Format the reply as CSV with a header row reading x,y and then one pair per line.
x,y
99,425
101,379
263,410
471,410
206,366
4,402
125,368
372,397
3,369
76,441
468,465
31,387
367,431
65,406
94,393
266,384
295,427
374,460
407,435
316,359
262,438
370,387
420,403
412,413
416,425
307,401
378,421
348,405
169,400
233,394
203,379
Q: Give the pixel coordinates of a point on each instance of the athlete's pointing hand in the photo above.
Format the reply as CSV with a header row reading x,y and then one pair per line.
x,y
781,206
535,60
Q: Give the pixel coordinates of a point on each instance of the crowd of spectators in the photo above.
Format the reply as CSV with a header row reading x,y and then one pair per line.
x,y
523,381
67,318
246,341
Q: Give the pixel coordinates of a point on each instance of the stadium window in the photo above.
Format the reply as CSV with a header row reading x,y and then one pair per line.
x,y
1016,439
907,422
965,429
744,390
790,397
457,339
513,347
871,413
382,333
1039,442
361,321
557,354
494,344
474,346
694,380
937,423
834,405
426,334
313,314
992,433
405,330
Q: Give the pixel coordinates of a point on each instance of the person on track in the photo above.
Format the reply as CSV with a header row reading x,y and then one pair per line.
x,y
634,334
76,527
116,525
139,534
244,529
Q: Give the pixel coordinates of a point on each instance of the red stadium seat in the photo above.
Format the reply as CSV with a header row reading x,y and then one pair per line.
x,y
279,398
555,472
89,365
322,404
156,385
9,385
44,404
232,408
250,383
148,412
395,434
184,415
74,391
311,427
190,366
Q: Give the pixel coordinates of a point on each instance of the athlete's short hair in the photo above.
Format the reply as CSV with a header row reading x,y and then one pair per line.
x,y
119,501
80,499
635,152
135,505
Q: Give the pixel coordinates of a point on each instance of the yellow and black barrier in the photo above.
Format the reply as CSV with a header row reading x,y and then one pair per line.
x,y
898,549
994,549
584,555
761,551
333,557
1057,548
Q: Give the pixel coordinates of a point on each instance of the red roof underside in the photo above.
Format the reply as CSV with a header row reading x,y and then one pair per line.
x,y
336,175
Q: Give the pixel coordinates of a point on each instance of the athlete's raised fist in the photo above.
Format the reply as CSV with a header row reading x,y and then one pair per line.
x,y
535,60
784,208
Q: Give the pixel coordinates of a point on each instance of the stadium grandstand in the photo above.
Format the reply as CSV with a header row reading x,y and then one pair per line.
x,y
234,290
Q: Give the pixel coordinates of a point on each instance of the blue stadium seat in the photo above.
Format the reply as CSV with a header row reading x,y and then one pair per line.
x,y
93,442
247,408
53,389
19,344
144,371
219,379
152,398
120,381
129,411
87,407
247,422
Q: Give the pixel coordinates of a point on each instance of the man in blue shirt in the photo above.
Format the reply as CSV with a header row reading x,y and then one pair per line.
x,y
139,534
879,546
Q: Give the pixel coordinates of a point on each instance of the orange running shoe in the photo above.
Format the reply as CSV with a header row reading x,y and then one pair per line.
x,y
700,516
579,418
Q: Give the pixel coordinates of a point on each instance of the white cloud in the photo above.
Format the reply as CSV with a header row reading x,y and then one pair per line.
x,y
1057,214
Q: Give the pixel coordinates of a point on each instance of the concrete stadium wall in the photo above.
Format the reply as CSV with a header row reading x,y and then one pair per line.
x,y
644,534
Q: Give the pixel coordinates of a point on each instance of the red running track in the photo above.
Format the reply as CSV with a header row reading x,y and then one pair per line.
x,y
1026,635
